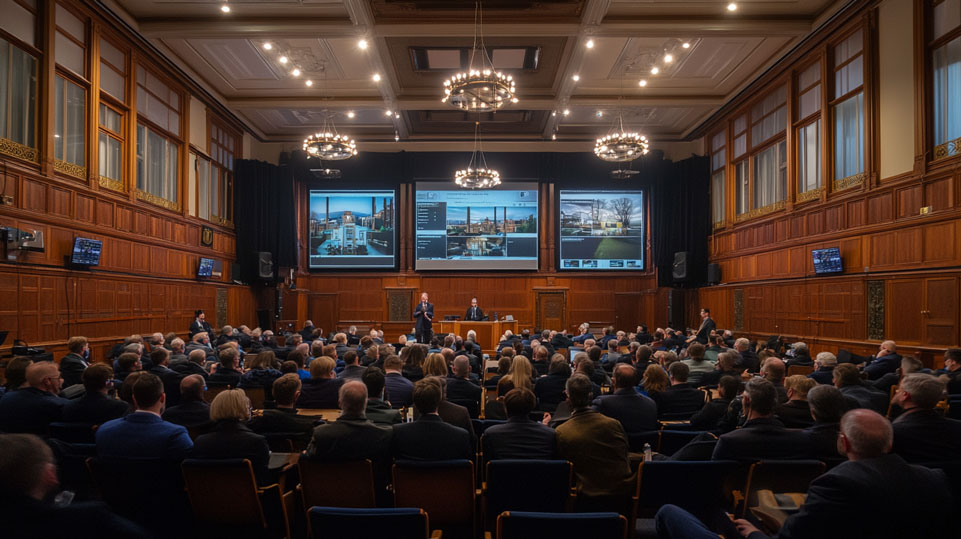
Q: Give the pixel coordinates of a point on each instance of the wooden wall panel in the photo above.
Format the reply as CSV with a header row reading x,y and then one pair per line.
x,y
909,201
939,194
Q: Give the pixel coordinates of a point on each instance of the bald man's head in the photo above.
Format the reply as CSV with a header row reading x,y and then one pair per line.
x,y
865,434
353,398
192,388
45,376
461,366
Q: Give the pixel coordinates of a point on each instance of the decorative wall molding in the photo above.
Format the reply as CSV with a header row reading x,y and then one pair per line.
x,y
875,307
19,151
847,183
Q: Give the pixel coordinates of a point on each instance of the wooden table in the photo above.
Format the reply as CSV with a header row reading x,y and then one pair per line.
x,y
488,333
327,414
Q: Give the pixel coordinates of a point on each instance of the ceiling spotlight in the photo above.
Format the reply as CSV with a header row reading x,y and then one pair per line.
x,y
576,78
396,137
268,46
295,72
554,136
396,115
732,7
309,82
376,77
589,44
686,45
283,59
554,113
599,114
668,58
567,112
362,44
350,114
225,8
642,83
655,70
388,113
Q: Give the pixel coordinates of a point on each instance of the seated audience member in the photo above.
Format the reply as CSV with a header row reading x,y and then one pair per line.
x,y
520,375
192,410
847,378
413,357
200,341
95,407
193,365
796,412
143,434
353,436
696,364
887,360
909,365
31,409
681,399
801,355
503,367
895,499
228,372
827,406
230,438
520,437
588,367
612,355
73,364
921,434
762,436
127,363
450,413
654,380
320,390
550,389
283,418
398,389
749,360
540,361
635,412
353,370
429,437
260,372
435,365
773,370
160,357
641,359
16,373
824,365
460,387
595,444
709,417
28,481
726,366
716,346
951,374
378,410
177,353
299,357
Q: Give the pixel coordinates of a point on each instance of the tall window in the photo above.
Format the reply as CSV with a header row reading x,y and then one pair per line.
x,y
70,94
808,130
223,145
112,113
18,82
718,161
945,50
847,107
740,166
158,140
768,122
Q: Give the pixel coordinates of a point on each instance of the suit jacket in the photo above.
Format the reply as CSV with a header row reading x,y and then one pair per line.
x,y
849,501
189,413
708,417
280,420
823,440
380,413
224,377
29,411
422,321
597,446
823,375
714,377
352,372
867,397
759,439
264,378
561,341
795,414
230,439
459,389
679,399
519,438
399,390
93,408
171,380
199,327
550,391
27,518
882,365
71,368
703,332
474,314
750,361
142,435
431,438
319,393
636,413
926,436
351,438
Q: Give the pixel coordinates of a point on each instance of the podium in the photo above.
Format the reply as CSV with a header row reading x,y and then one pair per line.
x,y
488,333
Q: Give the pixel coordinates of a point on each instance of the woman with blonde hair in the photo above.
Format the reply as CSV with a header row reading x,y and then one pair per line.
x,y
229,437
521,375
655,380
436,365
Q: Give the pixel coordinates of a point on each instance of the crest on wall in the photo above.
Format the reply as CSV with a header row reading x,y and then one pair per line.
x,y
206,236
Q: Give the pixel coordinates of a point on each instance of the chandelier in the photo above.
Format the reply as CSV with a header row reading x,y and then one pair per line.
x,y
621,146
327,144
481,88
477,175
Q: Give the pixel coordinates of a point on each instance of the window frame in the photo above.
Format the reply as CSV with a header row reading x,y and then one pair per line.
x,y
223,171
178,141
721,169
11,148
126,136
802,123
62,166
950,149
847,182
752,151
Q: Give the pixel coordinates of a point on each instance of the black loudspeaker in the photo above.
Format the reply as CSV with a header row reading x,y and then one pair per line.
x,y
263,319
265,265
679,272
713,273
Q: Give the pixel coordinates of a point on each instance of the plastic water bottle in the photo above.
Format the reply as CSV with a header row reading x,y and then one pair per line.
x,y
647,452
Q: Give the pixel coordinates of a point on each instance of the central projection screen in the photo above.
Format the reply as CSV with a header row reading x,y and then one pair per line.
x,y
602,230
352,229
492,229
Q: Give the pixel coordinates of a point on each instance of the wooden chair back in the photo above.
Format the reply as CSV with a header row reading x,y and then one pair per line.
x,y
224,492
257,397
322,483
445,489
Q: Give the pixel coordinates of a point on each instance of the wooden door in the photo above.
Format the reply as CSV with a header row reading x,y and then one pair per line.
x,y
940,314
322,309
551,310
904,300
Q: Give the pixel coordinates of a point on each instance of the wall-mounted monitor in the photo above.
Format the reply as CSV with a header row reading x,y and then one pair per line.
x,y
491,229
86,252
352,229
827,260
205,269
601,230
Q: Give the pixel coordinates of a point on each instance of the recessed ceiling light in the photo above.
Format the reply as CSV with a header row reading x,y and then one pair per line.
x,y
668,58
576,78
514,100
686,45
362,44
350,114
599,113
642,83
309,82
589,44
554,136
732,7
388,113
396,137
295,72
567,112
268,46
225,8
554,113
283,59
655,70
376,77
396,115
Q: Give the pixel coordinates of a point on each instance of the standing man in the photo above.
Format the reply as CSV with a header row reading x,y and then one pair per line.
x,y
424,316
474,313
707,327
200,325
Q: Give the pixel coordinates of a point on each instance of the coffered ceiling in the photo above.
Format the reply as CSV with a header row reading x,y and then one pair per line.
x,y
609,46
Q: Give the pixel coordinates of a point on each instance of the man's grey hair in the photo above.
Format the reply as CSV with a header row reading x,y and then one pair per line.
x,y
925,390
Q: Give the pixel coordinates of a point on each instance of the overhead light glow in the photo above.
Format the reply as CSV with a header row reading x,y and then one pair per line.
x,y
268,46
309,82
599,114
642,83
295,72
396,138
350,114
686,45
576,78
388,113
362,44
668,58
283,59
655,70
396,115
567,112
589,44
376,77
732,7
225,8
554,137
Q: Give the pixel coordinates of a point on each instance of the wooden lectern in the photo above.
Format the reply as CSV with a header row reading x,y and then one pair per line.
x,y
488,333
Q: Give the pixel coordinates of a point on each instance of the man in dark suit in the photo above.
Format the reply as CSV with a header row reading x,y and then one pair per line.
x,y
353,436
726,366
520,437
228,372
704,331
474,313
73,364
160,357
308,332
847,378
378,410
749,359
352,368
200,325
873,494
887,360
193,365
143,434
429,437
322,388
796,412
424,317
95,407
460,387
709,417
283,418
636,413
951,374
33,408
398,388
824,364
827,406
449,412
920,433
682,399
192,410
550,389
762,436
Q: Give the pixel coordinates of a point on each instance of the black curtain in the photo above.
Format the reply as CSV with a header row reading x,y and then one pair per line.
x,y
681,219
264,216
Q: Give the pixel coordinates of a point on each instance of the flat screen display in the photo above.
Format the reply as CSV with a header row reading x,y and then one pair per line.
x,y
206,267
493,229
352,229
601,230
827,260
86,252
